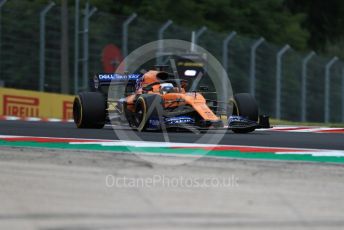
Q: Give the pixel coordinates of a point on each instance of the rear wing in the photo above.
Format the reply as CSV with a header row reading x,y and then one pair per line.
x,y
120,85
107,79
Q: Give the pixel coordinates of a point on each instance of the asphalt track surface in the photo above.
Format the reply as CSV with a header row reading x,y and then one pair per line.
x,y
44,189
258,138
50,189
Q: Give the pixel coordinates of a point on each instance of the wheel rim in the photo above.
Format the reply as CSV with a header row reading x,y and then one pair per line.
x,y
138,115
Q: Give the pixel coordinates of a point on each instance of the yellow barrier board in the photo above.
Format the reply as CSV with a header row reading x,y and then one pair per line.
x,y
27,103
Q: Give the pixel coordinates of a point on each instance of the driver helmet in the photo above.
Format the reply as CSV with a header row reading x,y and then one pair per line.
x,y
166,88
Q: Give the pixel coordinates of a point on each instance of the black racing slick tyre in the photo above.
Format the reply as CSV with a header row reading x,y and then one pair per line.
x,y
89,110
146,107
245,105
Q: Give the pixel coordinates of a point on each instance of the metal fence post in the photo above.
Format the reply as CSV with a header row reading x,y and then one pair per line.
x,y
199,33
160,37
2,3
253,65
193,34
85,46
342,93
76,47
327,88
304,86
279,79
88,14
42,45
225,50
125,34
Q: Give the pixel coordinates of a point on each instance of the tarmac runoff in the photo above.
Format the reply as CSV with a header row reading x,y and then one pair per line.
x,y
55,189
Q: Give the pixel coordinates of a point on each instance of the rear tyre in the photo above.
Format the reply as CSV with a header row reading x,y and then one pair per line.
x,y
147,106
89,110
245,105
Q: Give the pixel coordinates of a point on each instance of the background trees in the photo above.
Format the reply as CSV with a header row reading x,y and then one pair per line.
x,y
307,24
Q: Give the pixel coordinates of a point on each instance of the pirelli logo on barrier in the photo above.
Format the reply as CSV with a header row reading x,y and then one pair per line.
x,y
67,110
26,103
20,106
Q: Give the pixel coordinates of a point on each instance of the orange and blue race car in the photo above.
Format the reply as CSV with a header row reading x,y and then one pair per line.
x,y
157,100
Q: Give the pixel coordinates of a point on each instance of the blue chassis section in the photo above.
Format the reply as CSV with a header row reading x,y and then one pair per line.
x,y
234,122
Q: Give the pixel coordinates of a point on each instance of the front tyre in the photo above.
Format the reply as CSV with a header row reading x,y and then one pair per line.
x,y
245,105
89,110
147,106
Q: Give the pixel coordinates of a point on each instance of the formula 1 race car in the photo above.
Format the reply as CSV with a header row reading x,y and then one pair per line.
x,y
157,100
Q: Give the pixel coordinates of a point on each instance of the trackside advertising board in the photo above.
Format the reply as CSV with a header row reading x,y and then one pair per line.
x,y
27,103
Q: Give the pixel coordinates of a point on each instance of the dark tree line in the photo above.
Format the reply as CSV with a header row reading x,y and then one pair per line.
x,y
304,24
